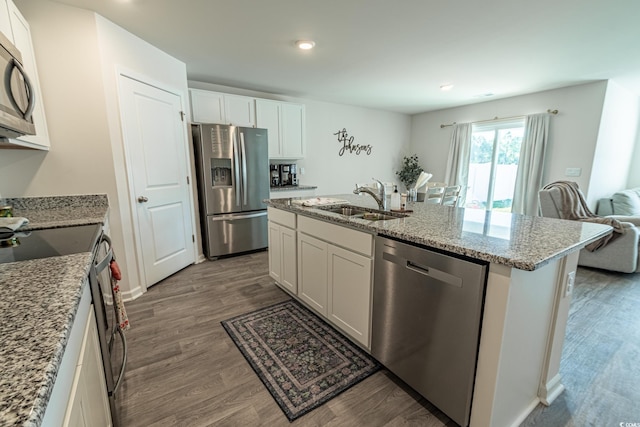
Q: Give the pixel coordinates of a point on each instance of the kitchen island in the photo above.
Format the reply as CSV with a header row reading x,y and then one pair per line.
x,y
530,262
44,306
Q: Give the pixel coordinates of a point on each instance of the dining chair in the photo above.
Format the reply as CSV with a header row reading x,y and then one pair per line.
x,y
450,195
433,195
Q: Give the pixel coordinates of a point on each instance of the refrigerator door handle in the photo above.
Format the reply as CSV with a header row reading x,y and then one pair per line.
x,y
238,216
236,161
244,169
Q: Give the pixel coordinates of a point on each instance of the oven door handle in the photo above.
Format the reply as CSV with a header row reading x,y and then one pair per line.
x,y
124,361
104,262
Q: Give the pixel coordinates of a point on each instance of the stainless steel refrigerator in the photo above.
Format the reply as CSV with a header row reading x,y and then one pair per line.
x,y
233,180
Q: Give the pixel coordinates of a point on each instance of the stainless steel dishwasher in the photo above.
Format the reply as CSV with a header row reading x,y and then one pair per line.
x,y
427,310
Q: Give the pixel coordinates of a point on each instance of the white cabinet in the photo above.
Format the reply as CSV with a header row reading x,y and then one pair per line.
x,y
285,122
5,23
19,33
335,267
268,116
282,256
349,292
207,107
283,265
293,125
79,394
312,272
88,404
216,107
240,110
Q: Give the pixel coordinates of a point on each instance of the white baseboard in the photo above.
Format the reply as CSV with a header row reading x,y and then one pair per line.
x,y
550,391
524,414
132,294
201,258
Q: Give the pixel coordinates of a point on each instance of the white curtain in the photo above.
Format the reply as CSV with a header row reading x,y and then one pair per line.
x,y
530,165
457,172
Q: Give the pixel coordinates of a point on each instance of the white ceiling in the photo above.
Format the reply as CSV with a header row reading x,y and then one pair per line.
x,y
391,55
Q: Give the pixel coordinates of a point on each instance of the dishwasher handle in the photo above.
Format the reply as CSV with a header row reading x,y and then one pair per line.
x,y
434,273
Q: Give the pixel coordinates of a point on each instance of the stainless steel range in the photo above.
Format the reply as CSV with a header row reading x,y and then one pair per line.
x,y
26,245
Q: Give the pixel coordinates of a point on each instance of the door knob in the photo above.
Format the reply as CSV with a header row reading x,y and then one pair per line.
x,y
142,199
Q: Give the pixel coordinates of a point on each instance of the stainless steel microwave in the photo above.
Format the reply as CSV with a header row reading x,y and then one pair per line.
x,y
17,98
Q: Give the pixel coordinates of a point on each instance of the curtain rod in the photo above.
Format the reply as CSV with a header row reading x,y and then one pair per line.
x,y
497,118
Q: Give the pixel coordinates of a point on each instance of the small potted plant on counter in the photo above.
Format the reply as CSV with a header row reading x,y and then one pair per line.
x,y
410,171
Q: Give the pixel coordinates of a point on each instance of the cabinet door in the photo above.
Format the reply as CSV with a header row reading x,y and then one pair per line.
x,y
275,252
22,40
349,292
240,110
5,23
293,140
312,272
207,106
289,259
268,117
88,403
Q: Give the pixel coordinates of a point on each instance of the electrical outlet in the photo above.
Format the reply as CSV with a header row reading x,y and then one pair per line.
x,y
571,280
302,171
573,172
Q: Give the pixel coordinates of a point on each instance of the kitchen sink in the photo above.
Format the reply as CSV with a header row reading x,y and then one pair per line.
x,y
363,213
346,210
377,216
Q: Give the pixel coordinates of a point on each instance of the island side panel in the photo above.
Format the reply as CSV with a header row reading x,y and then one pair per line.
x,y
550,384
517,320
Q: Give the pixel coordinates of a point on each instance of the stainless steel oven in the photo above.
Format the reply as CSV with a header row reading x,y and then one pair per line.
x,y
34,244
113,343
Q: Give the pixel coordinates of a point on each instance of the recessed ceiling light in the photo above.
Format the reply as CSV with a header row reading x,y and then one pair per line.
x,y
305,44
447,86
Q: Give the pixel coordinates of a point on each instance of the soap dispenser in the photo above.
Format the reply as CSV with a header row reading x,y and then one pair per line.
x,y
395,198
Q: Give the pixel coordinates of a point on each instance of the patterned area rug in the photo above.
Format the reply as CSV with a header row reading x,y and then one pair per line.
x,y
301,360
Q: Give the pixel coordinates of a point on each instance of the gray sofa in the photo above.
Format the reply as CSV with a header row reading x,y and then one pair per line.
x,y
619,255
623,205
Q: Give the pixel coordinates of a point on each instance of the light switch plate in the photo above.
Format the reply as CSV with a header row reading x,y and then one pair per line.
x,y
573,172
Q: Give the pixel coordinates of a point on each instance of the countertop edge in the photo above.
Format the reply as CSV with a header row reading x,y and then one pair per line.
x,y
514,262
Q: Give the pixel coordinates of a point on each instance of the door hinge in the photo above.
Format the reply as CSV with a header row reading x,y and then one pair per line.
x,y
182,116
193,238
188,181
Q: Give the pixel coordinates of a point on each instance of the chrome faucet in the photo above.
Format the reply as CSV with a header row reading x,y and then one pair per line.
x,y
380,199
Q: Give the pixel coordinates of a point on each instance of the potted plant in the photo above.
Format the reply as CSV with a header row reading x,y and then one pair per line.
x,y
410,171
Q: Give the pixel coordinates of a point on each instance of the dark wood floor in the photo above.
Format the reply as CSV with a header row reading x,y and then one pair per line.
x,y
184,370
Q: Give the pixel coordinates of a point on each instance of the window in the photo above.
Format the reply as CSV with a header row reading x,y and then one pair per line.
x,y
493,164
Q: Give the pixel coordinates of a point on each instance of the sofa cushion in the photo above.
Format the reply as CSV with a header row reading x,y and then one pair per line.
x,y
627,202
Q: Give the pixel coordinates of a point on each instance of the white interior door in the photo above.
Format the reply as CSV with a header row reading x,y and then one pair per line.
x,y
155,141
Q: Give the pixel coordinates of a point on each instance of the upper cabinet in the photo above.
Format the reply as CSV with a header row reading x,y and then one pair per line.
x,y
285,122
215,107
16,28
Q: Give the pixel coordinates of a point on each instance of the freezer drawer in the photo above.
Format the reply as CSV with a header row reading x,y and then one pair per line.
x,y
235,233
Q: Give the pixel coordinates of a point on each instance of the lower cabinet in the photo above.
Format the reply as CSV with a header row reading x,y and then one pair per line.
x,y
282,256
349,292
327,266
88,403
313,272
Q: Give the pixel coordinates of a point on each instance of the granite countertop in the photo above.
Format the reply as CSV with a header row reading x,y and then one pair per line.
x,y
519,241
293,188
60,211
38,303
